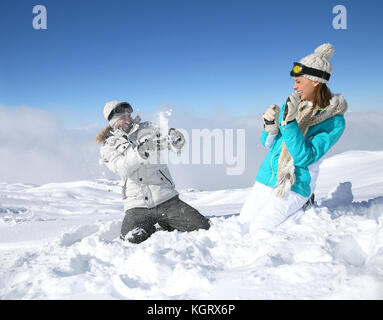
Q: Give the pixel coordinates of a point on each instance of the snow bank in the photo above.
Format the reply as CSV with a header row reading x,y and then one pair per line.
x,y
61,241
362,168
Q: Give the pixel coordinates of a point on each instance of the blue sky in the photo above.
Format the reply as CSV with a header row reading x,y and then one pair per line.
x,y
207,56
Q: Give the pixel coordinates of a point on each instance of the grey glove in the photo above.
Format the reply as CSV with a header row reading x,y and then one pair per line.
x,y
176,140
146,148
151,140
160,139
291,108
270,119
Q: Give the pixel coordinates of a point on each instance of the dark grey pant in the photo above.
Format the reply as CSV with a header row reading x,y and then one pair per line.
x,y
174,214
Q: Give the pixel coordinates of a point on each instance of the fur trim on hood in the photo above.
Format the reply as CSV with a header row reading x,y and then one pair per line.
x,y
104,134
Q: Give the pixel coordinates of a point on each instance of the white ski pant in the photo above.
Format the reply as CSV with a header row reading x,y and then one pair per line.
x,y
264,210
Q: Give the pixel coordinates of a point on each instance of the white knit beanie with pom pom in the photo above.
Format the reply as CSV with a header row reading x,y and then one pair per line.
x,y
319,60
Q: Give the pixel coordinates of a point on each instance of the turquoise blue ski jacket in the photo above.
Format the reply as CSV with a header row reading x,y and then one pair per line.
x,y
304,150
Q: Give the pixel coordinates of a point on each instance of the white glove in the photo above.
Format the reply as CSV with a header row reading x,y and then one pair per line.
x,y
291,108
176,140
270,119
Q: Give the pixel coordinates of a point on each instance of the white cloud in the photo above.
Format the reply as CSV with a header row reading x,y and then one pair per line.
x,y
35,147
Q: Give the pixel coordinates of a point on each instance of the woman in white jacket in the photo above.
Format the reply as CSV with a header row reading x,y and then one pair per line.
x,y
130,148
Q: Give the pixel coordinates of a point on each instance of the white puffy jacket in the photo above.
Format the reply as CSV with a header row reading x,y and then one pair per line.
x,y
144,184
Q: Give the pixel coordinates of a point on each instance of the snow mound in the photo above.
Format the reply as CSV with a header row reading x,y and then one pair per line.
x,y
61,241
349,250
338,197
362,168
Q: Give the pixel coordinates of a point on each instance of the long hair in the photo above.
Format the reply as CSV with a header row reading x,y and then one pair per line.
x,y
322,95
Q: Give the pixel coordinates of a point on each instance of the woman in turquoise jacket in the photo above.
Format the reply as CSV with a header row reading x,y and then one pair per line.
x,y
297,136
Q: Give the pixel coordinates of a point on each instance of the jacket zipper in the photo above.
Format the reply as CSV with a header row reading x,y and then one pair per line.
x,y
165,177
271,162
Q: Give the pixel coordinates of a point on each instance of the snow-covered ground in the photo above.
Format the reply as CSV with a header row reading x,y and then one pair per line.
x,y
61,241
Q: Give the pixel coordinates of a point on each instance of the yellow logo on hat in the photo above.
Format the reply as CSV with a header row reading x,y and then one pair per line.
x,y
297,69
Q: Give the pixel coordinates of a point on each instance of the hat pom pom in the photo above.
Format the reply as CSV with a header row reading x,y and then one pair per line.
x,y
325,50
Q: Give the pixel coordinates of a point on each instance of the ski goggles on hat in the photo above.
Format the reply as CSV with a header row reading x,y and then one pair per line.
x,y
299,70
121,108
